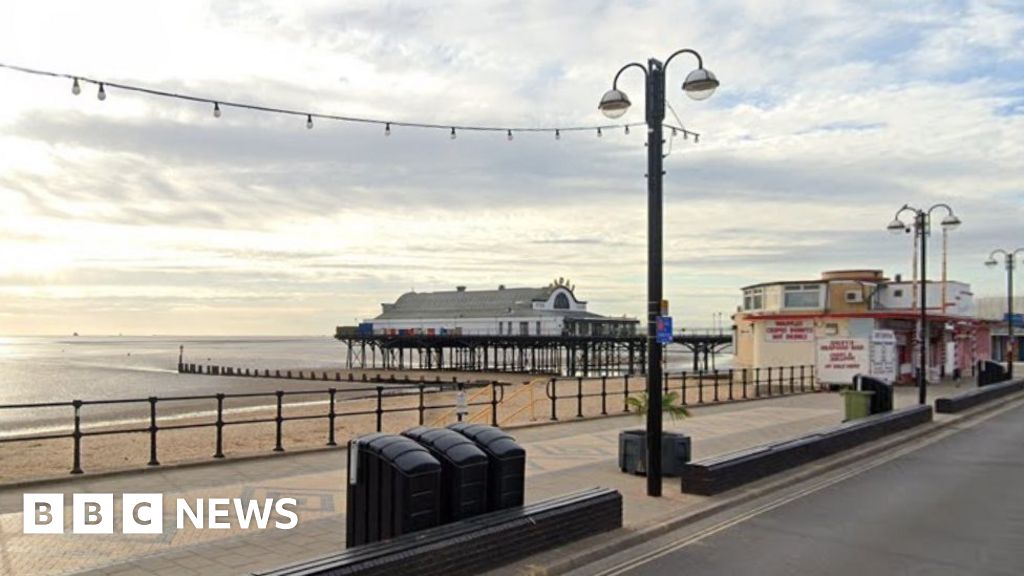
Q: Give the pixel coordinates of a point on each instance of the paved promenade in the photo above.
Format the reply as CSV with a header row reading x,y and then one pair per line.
x,y
561,458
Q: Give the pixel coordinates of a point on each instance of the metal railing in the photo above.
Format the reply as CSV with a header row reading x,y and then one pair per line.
x,y
695,388
155,425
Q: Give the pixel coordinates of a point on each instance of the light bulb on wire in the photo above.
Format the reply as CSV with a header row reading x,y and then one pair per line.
x,y
627,129
558,134
509,135
309,121
75,88
101,94
387,129
452,135
599,133
216,110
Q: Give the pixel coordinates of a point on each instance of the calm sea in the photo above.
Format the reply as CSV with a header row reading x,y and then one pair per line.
x,y
103,368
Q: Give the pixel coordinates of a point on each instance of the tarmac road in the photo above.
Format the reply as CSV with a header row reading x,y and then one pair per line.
x,y
955,506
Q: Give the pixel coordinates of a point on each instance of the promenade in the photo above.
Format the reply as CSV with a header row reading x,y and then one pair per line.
x,y
561,457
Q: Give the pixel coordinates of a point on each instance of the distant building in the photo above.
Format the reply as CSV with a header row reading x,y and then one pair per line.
x,y
839,320
552,310
993,310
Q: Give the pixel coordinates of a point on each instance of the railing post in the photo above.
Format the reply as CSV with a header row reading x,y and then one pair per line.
x,y
625,393
757,382
682,387
715,375
422,407
152,432
554,398
579,397
278,447
769,381
220,426
604,396
665,386
731,374
801,377
76,464
792,381
494,404
380,407
700,387
331,415
743,379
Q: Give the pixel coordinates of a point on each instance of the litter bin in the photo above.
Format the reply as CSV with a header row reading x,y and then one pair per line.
x,y
463,471
882,400
394,487
856,403
506,468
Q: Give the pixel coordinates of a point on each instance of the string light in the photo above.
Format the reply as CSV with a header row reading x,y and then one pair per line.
x,y
696,138
101,94
452,136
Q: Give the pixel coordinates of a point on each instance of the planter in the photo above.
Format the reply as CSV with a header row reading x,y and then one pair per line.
x,y
675,451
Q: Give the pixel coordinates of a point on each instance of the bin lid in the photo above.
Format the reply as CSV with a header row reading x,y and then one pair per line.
x,y
491,439
448,444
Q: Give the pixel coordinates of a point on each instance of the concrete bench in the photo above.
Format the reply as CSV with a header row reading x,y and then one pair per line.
x,y
720,473
972,398
476,544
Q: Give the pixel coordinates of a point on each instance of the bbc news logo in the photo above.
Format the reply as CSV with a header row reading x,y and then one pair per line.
x,y
144,513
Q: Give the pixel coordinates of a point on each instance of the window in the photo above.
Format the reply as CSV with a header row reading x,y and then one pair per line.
x,y
561,301
897,293
500,327
802,296
538,328
753,299
524,328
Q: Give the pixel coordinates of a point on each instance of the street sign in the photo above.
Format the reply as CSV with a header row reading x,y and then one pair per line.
x,y
663,329
664,307
1018,320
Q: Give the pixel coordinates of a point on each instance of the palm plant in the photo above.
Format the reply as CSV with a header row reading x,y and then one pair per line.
x,y
670,405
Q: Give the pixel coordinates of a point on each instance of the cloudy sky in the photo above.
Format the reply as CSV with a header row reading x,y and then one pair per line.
x,y
143,215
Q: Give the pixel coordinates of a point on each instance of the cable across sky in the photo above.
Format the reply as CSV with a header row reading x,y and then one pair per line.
x,y
218,104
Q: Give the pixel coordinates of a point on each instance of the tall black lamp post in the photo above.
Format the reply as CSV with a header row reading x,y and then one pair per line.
x,y
699,85
1010,265
922,223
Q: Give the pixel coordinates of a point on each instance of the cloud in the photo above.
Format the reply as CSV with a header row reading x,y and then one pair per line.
x,y
830,116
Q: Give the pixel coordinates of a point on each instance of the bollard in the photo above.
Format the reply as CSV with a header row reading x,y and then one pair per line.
x,y
604,396
682,387
554,399
625,393
380,408
579,397
422,407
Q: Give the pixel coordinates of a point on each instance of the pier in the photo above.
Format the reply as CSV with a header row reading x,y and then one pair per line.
x,y
559,355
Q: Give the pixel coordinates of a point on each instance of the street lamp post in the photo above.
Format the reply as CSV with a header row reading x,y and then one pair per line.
x,y
922,222
699,85
1011,258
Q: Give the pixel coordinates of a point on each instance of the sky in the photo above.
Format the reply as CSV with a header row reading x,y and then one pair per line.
x,y
141,215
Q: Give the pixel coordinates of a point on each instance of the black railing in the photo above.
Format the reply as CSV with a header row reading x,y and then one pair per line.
x,y
694,388
154,425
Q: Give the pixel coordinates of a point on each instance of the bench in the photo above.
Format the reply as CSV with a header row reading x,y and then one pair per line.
x,y
476,544
720,473
977,396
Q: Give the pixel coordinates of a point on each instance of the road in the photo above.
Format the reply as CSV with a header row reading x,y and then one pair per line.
x,y
953,506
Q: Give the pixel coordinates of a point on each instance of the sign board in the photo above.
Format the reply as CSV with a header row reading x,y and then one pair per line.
x,y
840,359
789,331
884,364
1017,319
663,329
664,307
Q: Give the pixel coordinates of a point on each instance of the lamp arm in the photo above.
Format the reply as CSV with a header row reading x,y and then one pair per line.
x,y
615,82
906,208
941,205
992,256
700,61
